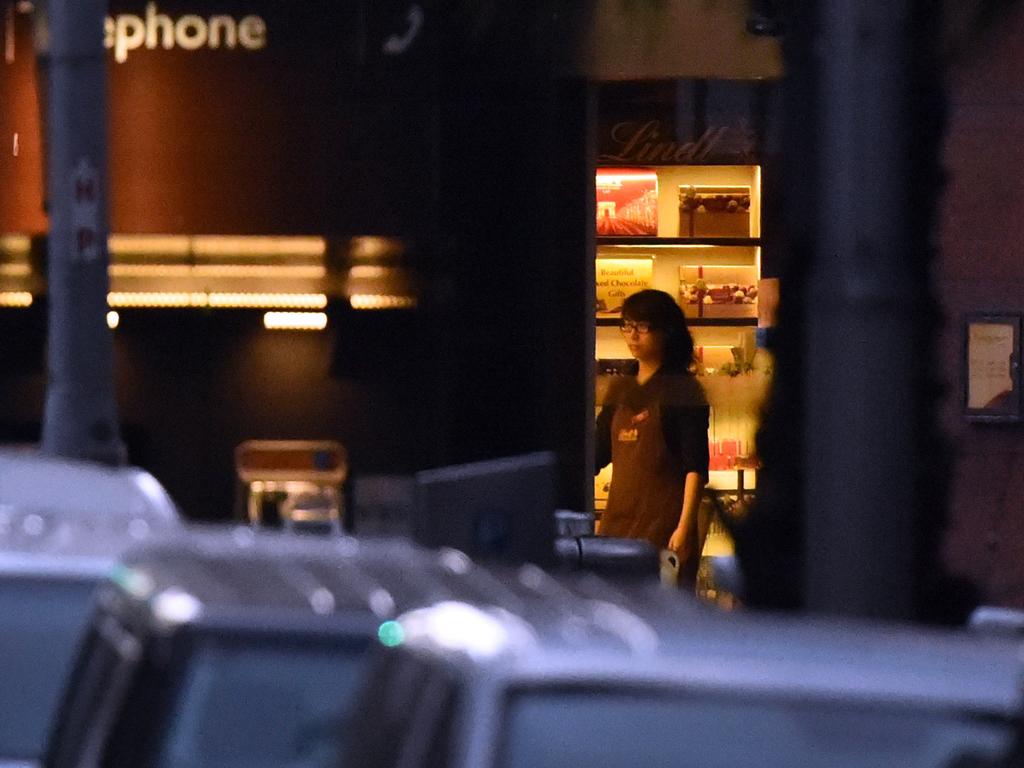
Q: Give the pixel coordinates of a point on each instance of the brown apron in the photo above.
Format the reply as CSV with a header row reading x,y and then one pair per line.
x,y
646,495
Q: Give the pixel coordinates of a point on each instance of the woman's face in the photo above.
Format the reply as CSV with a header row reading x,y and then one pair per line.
x,y
645,343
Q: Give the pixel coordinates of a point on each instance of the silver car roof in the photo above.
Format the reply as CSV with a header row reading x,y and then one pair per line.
x,y
241,574
32,482
51,544
654,637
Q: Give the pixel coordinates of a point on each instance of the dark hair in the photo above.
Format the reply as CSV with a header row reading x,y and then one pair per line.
x,y
667,318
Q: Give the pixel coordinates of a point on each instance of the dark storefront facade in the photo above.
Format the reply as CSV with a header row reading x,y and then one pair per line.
x,y
249,143
286,140
293,130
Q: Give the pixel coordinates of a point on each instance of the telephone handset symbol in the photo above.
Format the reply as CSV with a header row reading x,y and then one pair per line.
x,y
396,45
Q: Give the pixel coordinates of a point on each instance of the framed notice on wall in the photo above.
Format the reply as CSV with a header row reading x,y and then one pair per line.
x,y
992,367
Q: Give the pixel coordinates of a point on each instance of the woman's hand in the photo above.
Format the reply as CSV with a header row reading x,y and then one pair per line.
x,y
677,542
688,558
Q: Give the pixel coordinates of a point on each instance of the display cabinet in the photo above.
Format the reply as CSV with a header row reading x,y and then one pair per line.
x,y
692,231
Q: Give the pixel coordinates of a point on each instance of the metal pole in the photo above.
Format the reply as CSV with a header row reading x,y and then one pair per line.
x,y
80,414
863,290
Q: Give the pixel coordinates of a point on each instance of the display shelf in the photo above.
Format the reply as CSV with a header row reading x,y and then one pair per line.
x,y
665,242
683,230
694,321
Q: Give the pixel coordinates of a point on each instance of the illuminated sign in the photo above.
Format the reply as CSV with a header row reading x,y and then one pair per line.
x,y
127,32
620,278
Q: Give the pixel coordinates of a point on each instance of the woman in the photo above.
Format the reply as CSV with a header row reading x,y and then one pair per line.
x,y
654,430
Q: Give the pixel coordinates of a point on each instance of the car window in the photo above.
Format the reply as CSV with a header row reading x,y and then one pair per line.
x,y
557,729
406,714
95,690
248,704
41,623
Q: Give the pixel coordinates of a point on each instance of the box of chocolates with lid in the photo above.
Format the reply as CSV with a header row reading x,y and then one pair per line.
x,y
718,291
714,211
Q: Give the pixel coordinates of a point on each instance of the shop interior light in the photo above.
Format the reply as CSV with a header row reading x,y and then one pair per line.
x,y
113,319
260,300
381,301
15,299
149,245
150,299
15,245
228,245
295,321
217,300
374,249
215,245
219,270
15,270
368,272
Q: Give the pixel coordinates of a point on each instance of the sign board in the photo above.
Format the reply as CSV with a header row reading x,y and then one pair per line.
x,y
618,279
85,212
992,363
684,122
243,117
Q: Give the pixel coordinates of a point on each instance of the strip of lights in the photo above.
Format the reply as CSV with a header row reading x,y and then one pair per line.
x,y
15,299
381,301
261,245
217,300
150,245
216,245
15,245
295,321
259,300
154,299
218,270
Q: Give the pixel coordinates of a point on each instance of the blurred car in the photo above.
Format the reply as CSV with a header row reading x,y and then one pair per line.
x,y
646,678
32,482
241,647
50,565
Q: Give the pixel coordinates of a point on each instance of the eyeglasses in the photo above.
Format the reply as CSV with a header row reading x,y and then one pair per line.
x,y
641,327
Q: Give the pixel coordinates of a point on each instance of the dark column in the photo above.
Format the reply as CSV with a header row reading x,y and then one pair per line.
x,y
855,469
515,198
80,415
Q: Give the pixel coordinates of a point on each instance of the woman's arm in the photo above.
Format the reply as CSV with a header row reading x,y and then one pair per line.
x,y
685,539
603,438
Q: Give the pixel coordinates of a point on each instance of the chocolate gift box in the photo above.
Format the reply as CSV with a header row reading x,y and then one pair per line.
x,y
710,212
714,291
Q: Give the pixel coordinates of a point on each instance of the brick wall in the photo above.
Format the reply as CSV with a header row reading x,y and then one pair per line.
x,y
982,269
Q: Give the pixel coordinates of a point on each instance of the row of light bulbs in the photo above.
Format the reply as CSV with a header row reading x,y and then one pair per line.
x,y
272,321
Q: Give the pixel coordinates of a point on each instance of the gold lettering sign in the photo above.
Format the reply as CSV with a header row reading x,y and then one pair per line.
x,y
619,278
651,142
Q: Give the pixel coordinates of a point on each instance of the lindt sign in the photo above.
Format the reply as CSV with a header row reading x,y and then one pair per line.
x,y
648,142
128,32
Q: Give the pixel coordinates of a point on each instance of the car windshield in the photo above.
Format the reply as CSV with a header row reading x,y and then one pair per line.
x,y
608,730
277,706
41,623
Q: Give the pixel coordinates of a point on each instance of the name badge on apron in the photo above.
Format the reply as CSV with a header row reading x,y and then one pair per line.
x,y
632,434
